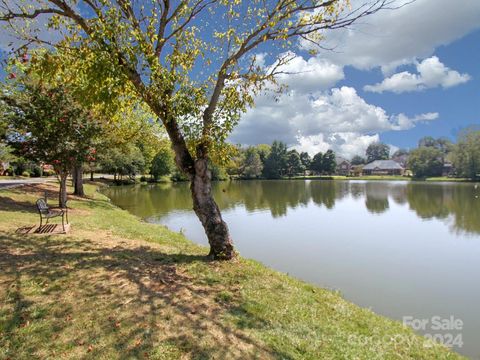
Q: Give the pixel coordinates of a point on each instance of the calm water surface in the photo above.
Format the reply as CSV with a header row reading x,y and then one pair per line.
x,y
401,249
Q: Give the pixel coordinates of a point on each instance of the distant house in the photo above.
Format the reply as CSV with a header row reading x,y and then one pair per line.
x,y
383,167
357,170
343,166
448,169
402,160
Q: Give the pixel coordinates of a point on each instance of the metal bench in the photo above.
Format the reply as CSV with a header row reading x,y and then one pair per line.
x,y
47,213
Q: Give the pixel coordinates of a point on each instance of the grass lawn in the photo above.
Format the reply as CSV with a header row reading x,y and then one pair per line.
x,y
15,177
380,177
445,178
339,177
118,288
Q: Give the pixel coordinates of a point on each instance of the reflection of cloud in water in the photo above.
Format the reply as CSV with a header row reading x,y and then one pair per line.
x,y
453,203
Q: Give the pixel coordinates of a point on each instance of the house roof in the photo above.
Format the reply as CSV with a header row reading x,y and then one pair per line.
x,y
383,165
339,160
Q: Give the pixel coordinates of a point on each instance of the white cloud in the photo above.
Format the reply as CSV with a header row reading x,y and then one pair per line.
x,y
346,145
310,75
403,122
431,73
393,37
338,119
311,118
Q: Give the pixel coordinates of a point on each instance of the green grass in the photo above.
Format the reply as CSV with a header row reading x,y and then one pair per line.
x,y
15,177
380,177
339,177
448,179
116,287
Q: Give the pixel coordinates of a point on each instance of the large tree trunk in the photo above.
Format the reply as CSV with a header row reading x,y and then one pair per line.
x,y
221,246
62,195
205,207
78,180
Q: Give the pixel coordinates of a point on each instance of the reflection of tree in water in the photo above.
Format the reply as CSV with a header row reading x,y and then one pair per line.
x,y
148,200
276,196
458,201
398,192
323,193
376,197
427,200
357,189
465,206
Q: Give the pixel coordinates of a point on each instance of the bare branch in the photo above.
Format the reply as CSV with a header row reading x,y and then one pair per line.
x,y
23,15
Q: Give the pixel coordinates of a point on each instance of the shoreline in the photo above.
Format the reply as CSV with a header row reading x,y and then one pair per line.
x,y
281,316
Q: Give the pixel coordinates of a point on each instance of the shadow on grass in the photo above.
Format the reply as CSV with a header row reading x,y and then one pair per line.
x,y
156,303
9,204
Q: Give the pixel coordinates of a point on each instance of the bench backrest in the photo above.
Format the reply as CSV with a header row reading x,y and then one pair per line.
x,y
42,206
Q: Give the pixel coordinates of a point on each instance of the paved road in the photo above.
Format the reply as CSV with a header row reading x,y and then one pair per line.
x,y
14,183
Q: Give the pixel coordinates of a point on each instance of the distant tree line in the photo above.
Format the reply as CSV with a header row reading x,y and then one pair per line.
x,y
276,161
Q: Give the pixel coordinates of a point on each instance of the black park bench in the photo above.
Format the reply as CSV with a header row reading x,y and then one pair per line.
x,y
47,213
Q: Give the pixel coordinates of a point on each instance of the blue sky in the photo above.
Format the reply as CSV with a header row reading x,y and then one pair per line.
x,y
458,107
395,77
427,55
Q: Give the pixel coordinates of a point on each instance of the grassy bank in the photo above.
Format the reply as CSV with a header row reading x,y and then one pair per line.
x,y
116,287
381,178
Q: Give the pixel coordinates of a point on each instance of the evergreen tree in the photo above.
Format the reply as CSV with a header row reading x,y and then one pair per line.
x,y
252,166
317,163
275,163
294,164
329,162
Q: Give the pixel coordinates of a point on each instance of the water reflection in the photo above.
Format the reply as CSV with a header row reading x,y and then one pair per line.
x,y
456,204
400,248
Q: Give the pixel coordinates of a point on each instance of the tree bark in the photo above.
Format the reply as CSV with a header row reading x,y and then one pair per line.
x,y
91,175
78,180
62,195
221,245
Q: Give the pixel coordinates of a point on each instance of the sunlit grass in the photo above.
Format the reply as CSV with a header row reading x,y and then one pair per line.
x,y
116,287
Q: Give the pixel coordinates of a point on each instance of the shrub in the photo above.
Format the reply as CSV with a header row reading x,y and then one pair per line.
x,y
20,166
48,172
179,176
25,174
37,171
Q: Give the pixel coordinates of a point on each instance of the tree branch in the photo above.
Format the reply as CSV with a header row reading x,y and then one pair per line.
x,y
10,15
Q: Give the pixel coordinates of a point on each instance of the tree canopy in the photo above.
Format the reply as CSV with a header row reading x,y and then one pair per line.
x,y
426,161
49,126
466,154
377,151
276,162
193,63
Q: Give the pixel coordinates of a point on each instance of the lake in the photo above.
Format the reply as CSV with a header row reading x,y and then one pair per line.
x,y
403,249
